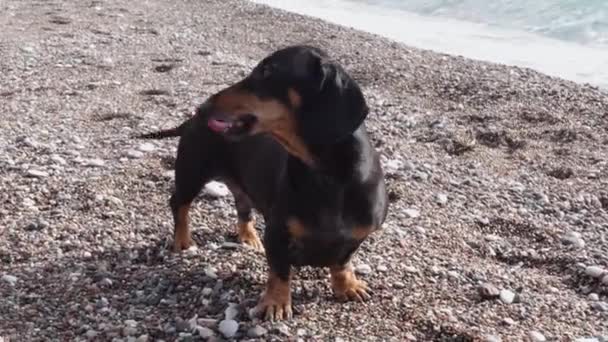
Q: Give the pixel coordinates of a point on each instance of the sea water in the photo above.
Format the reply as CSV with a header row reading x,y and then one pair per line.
x,y
563,38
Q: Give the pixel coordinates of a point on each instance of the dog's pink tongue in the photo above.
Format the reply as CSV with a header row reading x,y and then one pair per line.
x,y
218,125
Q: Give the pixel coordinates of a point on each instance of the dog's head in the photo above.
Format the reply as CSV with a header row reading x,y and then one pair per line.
x,y
297,95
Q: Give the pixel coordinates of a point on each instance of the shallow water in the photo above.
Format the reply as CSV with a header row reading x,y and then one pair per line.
x,y
564,38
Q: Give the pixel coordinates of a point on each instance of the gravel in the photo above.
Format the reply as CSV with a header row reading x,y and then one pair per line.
x,y
496,174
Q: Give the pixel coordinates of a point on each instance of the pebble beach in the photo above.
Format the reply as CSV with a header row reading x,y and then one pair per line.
x,y
498,180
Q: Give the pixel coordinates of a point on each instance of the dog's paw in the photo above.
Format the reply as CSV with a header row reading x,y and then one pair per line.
x,y
347,287
249,236
274,308
183,244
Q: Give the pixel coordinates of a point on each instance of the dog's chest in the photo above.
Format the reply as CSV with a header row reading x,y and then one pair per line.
x,y
324,242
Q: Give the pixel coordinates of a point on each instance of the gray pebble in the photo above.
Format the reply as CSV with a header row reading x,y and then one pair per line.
x,y
257,331
282,328
363,269
507,296
91,334
143,338
134,154
10,279
600,306
37,173
536,336
102,303
129,331
146,147
412,213
594,297
488,291
594,271
95,162
105,282
441,199
231,311
216,189
204,332
573,238
182,325
587,339
228,327
605,280
492,338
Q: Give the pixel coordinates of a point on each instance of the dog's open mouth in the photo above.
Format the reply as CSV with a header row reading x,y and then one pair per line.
x,y
232,125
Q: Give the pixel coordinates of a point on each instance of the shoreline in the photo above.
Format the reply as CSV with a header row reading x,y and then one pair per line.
x,y
498,175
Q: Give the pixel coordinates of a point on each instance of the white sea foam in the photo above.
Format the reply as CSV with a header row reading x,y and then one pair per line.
x,y
583,63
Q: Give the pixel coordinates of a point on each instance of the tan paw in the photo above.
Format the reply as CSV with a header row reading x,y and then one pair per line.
x,y
347,287
275,304
249,236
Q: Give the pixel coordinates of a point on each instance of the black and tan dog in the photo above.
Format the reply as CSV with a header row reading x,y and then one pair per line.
x,y
289,141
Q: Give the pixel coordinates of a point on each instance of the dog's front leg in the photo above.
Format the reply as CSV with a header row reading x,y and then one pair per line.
x,y
275,302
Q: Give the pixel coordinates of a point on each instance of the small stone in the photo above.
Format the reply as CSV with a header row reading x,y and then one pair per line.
x,y
105,282
594,297
102,303
588,339
129,331
507,297
257,331
536,336
594,271
146,147
91,334
207,291
216,189
382,268
363,269
34,173
574,239
231,245
492,338
282,328
58,159
392,166
210,272
95,162
228,327
204,332
488,291
412,213
143,338
605,280
420,230
410,269
300,332
508,321
441,199
182,325
231,311
134,154
600,306
10,279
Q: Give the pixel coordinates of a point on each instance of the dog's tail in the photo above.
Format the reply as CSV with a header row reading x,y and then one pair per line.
x,y
165,133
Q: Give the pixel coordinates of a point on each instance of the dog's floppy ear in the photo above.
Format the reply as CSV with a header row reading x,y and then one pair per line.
x,y
338,108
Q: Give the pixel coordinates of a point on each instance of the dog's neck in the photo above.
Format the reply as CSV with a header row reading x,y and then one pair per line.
x,y
350,159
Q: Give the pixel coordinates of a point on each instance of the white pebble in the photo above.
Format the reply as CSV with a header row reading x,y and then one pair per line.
x,y
507,296
412,213
392,165
594,297
594,271
10,279
228,327
37,173
134,154
95,162
492,338
231,311
441,199
146,147
216,189
363,269
535,336
204,332
58,159
257,331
